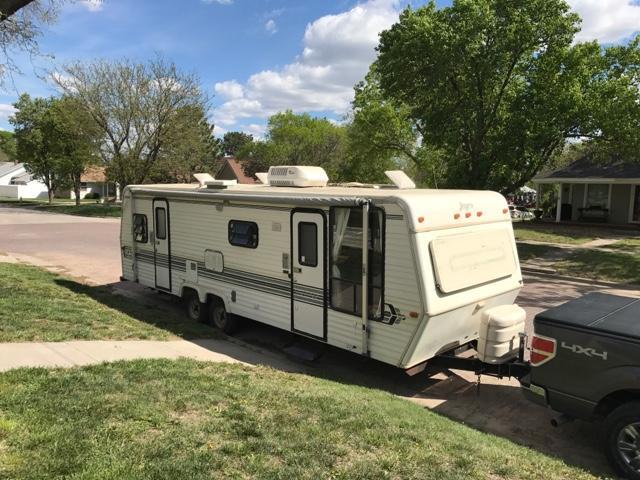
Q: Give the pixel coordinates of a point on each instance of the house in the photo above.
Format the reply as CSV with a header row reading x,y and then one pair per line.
x,y
94,181
231,169
16,182
592,191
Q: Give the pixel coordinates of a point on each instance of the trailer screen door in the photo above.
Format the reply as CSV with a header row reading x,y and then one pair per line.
x,y
161,244
308,273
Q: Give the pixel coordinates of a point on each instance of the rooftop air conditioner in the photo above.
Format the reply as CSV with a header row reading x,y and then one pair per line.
x,y
295,176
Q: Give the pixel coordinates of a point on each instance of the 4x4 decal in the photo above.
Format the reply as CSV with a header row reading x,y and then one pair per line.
x,y
588,351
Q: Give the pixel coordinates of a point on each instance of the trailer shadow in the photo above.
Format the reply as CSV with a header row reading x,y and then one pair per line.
x,y
499,408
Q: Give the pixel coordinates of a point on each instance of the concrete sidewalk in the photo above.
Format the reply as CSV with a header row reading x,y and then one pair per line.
x,y
86,352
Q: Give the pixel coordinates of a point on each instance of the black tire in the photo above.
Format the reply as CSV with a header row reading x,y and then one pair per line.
x,y
622,430
221,319
196,310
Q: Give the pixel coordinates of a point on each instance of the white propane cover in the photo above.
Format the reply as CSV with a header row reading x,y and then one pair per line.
x,y
500,329
297,176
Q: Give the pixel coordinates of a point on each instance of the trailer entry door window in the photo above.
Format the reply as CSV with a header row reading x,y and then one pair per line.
x,y
140,234
346,261
471,259
308,244
243,234
161,223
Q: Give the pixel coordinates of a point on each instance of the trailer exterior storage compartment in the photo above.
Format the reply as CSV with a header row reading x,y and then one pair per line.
x,y
397,274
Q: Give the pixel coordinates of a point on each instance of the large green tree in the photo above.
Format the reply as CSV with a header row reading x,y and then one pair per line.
x,y
298,139
233,142
495,86
136,106
8,144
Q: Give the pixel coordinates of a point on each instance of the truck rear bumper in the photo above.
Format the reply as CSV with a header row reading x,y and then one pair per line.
x,y
534,393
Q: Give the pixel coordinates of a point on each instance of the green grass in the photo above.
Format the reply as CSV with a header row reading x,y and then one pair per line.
x,y
631,245
555,234
163,419
37,305
85,210
601,265
530,251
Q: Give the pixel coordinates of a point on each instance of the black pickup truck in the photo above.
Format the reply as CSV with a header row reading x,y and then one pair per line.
x,y
585,363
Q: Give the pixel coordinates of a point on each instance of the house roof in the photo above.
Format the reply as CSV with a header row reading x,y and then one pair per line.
x,y
235,166
588,168
21,179
94,174
7,168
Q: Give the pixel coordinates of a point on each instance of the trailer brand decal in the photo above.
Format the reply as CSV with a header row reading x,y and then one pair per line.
x,y
391,315
580,350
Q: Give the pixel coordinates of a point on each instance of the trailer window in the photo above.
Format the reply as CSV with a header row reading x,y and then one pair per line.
x,y
471,259
243,234
161,223
308,244
140,232
346,261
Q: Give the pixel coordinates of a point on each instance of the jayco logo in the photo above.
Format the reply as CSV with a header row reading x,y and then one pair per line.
x,y
589,352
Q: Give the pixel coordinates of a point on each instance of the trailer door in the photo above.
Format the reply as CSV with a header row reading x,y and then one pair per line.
x,y
308,299
161,244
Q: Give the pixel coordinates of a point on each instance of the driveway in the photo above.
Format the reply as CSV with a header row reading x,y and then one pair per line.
x,y
88,248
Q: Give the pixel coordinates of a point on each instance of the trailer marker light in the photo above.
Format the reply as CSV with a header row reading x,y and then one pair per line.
x,y
505,210
479,214
543,349
413,314
420,219
467,215
456,216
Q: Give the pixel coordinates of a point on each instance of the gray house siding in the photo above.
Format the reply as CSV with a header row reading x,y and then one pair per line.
x,y
577,201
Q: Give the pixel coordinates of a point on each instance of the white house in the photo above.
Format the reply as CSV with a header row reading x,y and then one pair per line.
x,y
16,182
94,181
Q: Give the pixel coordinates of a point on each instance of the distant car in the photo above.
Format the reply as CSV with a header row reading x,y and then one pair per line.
x,y
520,213
515,214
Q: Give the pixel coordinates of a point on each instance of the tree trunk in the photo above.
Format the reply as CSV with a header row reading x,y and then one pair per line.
x,y
50,193
76,190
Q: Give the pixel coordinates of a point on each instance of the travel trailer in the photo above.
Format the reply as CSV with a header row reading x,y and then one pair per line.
x,y
392,272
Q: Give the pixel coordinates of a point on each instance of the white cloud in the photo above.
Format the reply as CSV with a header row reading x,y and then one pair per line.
x,y
607,20
92,5
229,89
337,52
6,110
271,26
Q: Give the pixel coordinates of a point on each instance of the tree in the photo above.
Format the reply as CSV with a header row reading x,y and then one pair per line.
x,y
233,142
298,139
77,142
36,139
8,144
190,148
134,105
495,85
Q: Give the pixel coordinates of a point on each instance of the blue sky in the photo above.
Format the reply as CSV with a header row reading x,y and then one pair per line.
x,y
256,57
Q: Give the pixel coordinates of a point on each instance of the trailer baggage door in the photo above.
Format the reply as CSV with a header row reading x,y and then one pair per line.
x,y
161,244
308,304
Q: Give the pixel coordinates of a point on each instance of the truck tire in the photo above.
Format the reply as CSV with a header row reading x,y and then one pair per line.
x,y
622,430
221,319
196,310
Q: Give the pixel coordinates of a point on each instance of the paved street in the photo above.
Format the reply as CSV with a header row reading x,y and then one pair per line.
x,y
89,249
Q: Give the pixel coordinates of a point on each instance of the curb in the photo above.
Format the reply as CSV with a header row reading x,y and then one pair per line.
x,y
552,273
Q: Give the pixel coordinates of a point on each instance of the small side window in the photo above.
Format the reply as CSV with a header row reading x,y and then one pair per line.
x,y
308,244
140,234
161,223
243,234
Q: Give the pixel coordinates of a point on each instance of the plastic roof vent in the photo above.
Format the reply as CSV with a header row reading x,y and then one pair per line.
x,y
297,176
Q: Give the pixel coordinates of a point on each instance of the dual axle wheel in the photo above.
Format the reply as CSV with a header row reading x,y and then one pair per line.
x,y
213,312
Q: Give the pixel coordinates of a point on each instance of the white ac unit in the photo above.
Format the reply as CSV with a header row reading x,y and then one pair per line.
x,y
297,176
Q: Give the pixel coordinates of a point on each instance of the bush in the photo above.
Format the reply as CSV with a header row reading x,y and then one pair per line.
x,y
92,196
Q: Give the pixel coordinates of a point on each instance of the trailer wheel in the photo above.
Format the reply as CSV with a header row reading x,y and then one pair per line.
x,y
622,430
221,319
196,310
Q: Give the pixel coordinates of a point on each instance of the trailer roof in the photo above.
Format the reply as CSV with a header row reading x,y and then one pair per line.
x,y
426,209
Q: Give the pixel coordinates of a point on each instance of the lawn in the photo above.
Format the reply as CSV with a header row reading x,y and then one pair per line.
x,y
631,245
85,210
37,305
182,419
554,234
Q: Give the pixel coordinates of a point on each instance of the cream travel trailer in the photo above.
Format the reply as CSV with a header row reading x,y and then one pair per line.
x,y
392,272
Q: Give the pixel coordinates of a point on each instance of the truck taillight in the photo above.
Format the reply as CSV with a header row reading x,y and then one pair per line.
x,y
543,349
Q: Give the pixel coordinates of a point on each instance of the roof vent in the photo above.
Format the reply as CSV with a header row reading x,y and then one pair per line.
x,y
203,178
400,179
294,176
220,184
263,177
